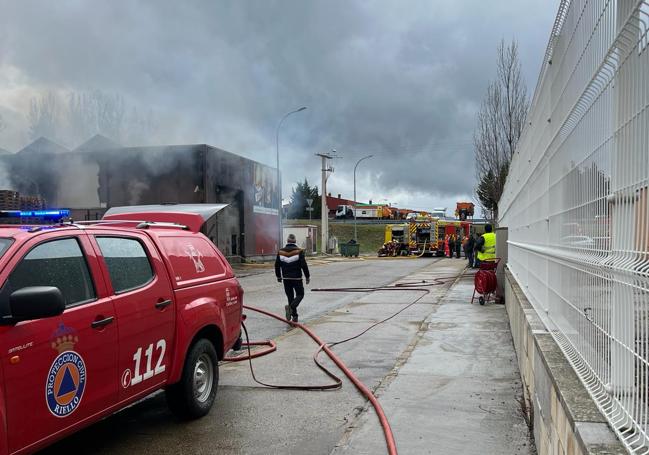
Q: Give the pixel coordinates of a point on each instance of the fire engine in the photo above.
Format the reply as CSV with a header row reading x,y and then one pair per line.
x,y
419,236
450,227
422,236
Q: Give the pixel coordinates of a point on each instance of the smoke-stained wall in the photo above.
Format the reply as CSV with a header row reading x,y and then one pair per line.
x,y
149,175
233,179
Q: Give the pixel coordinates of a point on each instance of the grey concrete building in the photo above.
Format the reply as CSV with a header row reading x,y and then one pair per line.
x,y
95,178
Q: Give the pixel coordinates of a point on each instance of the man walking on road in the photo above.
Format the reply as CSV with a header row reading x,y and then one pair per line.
x,y
289,265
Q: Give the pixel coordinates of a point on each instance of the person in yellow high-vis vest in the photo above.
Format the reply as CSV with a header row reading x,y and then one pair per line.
x,y
486,245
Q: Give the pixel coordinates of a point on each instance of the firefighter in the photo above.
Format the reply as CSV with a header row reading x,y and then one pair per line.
x,y
289,265
451,245
486,245
468,249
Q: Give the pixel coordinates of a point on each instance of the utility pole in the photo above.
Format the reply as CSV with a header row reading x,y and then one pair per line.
x,y
326,170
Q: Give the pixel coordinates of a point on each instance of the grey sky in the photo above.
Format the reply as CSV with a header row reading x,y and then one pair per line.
x,y
399,79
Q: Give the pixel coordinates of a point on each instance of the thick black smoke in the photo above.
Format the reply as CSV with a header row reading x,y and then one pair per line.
x,y
401,80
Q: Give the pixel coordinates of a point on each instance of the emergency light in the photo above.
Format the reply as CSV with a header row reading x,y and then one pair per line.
x,y
44,214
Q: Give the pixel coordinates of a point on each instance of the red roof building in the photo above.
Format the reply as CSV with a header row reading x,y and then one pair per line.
x,y
334,202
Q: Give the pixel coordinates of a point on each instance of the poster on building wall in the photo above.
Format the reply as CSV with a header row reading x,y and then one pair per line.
x,y
265,192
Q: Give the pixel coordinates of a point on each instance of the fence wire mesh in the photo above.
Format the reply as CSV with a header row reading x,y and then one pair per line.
x,y
576,204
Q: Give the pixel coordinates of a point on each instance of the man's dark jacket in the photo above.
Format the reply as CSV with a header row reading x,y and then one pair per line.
x,y
470,244
290,263
479,244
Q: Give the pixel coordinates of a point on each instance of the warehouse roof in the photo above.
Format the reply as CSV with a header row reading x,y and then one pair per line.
x,y
97,143
44,145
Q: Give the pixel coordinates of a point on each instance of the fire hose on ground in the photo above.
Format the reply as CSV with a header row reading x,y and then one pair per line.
x,y
419,286
389,255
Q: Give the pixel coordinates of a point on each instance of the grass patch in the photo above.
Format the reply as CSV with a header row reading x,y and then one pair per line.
x,y
370,236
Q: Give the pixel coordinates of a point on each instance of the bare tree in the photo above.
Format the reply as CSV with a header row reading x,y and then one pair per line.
x,y
500,123
96,112
88,113
110,114
44,116
82,116
141,127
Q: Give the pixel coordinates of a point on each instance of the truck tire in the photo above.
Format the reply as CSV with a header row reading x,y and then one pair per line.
x,y
192,397
238,344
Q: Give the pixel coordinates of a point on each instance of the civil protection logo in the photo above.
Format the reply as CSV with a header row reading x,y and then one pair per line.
x,y
196,257
66,379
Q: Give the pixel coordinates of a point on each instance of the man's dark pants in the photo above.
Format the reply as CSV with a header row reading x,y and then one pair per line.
x,y
295,293
469,255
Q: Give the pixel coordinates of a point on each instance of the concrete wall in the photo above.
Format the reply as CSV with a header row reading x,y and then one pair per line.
x,y
501,252
225,232
306,236
228,178
150,175
564,417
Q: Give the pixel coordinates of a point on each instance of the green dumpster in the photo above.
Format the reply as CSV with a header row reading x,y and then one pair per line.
x,y
349,249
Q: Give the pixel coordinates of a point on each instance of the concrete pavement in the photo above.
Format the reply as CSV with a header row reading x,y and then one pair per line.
x,y
457,391
443,370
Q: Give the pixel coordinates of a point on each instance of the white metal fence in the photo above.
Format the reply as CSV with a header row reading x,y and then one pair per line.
x,y
576,204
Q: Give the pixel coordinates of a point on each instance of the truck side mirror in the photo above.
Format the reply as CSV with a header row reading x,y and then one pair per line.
x,y
36,302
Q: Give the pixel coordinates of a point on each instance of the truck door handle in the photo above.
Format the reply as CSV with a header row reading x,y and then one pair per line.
x,y
98,324
163,304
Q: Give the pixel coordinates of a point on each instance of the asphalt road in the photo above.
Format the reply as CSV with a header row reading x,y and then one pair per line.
x,y
250,419
262,290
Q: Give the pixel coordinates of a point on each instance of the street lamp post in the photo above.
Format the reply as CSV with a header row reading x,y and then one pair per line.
x,y
279,181
354,208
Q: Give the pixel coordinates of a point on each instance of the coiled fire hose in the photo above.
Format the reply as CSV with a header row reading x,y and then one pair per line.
x,y
485,281
419,286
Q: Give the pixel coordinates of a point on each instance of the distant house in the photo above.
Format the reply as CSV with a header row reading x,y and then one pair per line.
x,y
44,145
334,202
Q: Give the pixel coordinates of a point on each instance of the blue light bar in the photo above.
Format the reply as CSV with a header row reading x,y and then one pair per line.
x,y
52,214
44,213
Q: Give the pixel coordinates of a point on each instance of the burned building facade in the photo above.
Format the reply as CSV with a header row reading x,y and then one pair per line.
x,y
92,181
198,174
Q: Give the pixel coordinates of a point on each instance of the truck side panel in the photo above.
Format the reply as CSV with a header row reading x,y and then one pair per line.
x,y
196,311
3,417
206,292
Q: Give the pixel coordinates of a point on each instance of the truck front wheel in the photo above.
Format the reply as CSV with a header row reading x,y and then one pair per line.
x,y
194,395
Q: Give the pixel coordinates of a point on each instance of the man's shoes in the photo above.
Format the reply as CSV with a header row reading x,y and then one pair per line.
x,y
294,319
287,311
